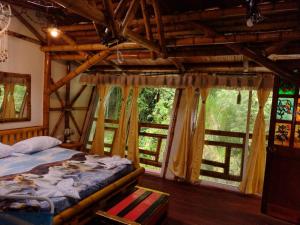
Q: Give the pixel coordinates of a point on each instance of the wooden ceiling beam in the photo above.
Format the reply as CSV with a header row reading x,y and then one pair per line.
x,y
89,47
86,65
275,47
142,41
193,41
284,74
238,38
70,41
160,27
146,18
219,14
198,55
83,8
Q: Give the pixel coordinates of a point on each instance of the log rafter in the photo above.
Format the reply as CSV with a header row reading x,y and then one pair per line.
x,y
259,58
86,65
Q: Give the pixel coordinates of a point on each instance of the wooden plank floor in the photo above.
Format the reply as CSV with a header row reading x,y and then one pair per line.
x,y
198,205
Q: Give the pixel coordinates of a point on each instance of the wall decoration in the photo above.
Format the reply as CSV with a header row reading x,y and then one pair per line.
x,y
298,111
285,107
297,137
286,88
15,97
282,134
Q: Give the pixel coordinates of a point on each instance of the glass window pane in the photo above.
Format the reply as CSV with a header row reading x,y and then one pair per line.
x,y
282,134
285,107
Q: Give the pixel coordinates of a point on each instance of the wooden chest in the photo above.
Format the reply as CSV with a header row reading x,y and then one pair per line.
x,y
141,206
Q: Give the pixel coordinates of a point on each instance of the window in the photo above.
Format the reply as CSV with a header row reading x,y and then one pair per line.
x,y
154,105
226,123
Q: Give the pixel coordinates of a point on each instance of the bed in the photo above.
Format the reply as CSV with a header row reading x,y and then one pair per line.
x,y
97,179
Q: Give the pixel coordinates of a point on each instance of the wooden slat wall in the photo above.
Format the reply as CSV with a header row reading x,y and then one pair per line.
x,y
14,135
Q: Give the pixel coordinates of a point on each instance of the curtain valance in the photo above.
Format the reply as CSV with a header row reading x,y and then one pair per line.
x,y
260,80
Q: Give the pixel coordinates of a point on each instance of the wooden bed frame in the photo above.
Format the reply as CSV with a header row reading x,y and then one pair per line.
x,y
84,211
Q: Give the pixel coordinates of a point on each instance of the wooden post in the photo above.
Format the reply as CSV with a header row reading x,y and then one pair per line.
x,y
67,101
46,101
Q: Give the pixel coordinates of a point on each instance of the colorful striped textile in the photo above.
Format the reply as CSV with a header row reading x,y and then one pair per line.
x,y
141,206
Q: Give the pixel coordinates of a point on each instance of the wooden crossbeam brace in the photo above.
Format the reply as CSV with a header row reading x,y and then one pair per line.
x,y
120,10
77,95
177,64
28,25
275,48
146,18
62,104
130,14
86,65
142,41
264,62
160,27
109,12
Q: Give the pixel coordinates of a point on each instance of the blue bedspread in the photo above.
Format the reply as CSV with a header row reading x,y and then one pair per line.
x,y
21,164
65,184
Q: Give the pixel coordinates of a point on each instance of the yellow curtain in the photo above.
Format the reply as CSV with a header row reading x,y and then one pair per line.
x,y
198,140
179,167
133,137
253,181
9,109
98,142
119,144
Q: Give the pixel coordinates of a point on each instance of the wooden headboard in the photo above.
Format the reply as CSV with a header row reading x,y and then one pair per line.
x,y
14,135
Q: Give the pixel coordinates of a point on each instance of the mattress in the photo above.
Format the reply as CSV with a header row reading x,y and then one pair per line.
x,y
65,176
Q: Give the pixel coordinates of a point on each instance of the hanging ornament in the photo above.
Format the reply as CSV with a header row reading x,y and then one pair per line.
x,y
5,19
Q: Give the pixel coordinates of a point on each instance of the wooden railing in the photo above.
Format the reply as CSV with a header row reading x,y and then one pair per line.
x,y
237,145
148,156
230,142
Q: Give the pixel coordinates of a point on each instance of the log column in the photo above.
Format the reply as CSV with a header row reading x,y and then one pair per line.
x,y
46,100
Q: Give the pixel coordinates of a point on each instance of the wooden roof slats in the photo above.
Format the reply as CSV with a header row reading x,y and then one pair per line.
x,y
219,14
87,9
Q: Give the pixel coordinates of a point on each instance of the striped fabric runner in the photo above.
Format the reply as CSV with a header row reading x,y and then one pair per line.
x,y
138,206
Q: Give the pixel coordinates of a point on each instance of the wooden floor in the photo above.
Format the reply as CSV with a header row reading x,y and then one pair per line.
x,y
196,205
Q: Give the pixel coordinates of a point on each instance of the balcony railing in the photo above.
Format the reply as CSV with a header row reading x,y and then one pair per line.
x,y
152,139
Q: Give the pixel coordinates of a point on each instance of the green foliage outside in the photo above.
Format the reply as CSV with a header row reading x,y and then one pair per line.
x,y
222,113
19,94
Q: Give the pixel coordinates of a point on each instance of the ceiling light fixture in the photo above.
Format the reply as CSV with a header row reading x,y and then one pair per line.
x,y
54,32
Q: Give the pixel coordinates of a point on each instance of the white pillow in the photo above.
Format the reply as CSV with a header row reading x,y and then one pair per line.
x,y
5,150
36,144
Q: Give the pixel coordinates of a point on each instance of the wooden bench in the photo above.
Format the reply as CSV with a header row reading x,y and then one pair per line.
x,y
141,206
